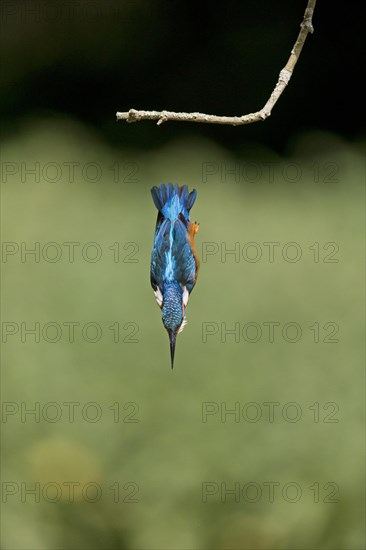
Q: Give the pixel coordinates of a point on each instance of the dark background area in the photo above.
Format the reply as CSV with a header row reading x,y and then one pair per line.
x,y
88,59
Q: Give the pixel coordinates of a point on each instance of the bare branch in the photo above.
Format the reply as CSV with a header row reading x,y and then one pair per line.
x,y
284,77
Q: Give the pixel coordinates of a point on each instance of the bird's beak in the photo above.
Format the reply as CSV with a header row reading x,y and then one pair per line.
x,y
172,339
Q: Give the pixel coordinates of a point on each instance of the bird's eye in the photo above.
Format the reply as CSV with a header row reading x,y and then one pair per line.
x,y
158,297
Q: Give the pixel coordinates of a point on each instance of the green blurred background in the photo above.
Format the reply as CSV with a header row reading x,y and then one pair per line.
x,y
154,453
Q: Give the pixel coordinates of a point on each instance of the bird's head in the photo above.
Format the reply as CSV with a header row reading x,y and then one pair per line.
x,y
173,306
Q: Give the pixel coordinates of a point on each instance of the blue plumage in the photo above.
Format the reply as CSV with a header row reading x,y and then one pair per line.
x,y
174,263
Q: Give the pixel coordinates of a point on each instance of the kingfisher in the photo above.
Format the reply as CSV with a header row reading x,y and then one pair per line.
x,y
174,263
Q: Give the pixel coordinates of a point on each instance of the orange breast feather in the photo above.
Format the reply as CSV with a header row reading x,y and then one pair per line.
x,y
192,230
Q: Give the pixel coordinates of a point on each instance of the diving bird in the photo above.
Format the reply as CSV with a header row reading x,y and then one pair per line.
x,y
174,262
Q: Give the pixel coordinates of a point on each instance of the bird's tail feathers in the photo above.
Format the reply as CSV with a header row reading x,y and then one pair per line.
x,y
164,193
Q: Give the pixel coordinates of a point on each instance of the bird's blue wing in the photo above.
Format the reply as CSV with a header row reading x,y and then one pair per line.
x,y
184,261
159,252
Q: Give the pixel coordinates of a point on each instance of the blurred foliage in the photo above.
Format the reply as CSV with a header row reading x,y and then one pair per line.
x,y
170,452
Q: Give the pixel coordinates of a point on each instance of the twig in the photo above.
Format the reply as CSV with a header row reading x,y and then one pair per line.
x,y
163,116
